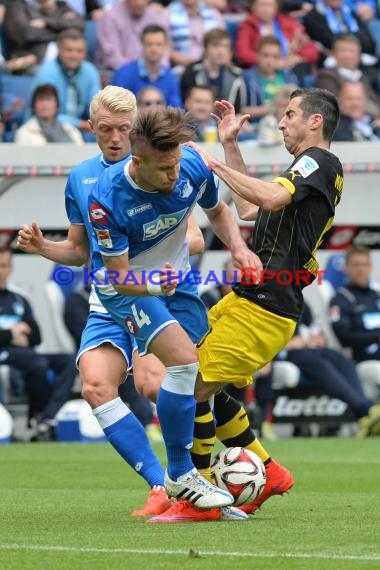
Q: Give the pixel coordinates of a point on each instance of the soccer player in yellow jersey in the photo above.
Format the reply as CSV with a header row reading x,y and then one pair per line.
x,y
293,212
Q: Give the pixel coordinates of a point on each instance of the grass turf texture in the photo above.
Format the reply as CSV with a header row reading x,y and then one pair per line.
x,y
66,506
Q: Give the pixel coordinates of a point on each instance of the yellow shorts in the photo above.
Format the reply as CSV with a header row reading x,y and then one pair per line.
x,y
242,338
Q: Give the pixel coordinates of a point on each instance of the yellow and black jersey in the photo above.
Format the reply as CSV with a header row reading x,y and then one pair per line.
x,y
287,240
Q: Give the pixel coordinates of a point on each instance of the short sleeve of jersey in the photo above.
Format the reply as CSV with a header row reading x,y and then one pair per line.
x,y
315,171
210,197
110,236
198,171
72,208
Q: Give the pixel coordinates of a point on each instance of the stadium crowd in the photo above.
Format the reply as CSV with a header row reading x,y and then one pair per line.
x,y
246,52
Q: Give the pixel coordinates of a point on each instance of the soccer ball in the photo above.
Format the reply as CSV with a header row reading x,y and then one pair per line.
x,y
241,472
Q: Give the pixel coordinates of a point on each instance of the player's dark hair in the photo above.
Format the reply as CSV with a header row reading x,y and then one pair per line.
x,y
163,128
322,101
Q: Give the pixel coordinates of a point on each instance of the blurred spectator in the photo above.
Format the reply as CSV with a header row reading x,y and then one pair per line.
x,y
44,126
19,334
369,13
217,71
268,133
75,79
119,31
75,317
32,27
296,8
12,109
355,309
200,103
332,17
267,77
149,97
3,6
150,69
346,53
298,53
90,9
354,123
327,369
189,20
221,5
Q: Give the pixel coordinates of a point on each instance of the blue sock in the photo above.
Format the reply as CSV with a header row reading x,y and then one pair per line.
x,y
127,435
176,412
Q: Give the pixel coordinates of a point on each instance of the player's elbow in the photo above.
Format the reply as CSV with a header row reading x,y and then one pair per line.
x,y
248,214
197,245
276,202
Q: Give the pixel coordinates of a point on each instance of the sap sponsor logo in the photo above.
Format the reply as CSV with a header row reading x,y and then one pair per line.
x,y
185,189
139,209
104,238
306,166
162,224
90,180
311,406
98,214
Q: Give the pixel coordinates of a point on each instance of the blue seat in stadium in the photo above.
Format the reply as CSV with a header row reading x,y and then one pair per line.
x,y
335,273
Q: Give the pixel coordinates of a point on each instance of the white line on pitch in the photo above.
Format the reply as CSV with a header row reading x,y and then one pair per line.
x,y
317,555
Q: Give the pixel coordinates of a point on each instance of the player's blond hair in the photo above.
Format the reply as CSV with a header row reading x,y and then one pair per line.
x,y
114,99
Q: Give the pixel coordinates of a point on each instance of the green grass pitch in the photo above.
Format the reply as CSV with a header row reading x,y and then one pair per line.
x,y
66,506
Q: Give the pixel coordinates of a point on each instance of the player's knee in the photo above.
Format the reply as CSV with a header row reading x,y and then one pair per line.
x,y
96,391
150,391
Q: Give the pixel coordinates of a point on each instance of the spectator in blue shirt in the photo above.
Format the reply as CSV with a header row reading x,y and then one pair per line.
x,y
150,70
76,80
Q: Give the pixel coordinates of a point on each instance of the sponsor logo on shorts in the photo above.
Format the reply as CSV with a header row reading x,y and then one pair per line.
x,y
131,326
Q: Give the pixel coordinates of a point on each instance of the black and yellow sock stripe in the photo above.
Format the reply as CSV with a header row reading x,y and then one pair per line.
x,y
204,438
232,426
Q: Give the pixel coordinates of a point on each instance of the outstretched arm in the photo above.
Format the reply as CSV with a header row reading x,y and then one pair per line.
x,y
194,236
226,228
74,250
250,191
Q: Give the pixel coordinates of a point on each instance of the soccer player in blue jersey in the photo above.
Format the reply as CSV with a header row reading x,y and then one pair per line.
x,y
105,354
105,349
139,212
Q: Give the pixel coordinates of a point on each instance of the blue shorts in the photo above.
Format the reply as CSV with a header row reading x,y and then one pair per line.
x,y
101,328
146,317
